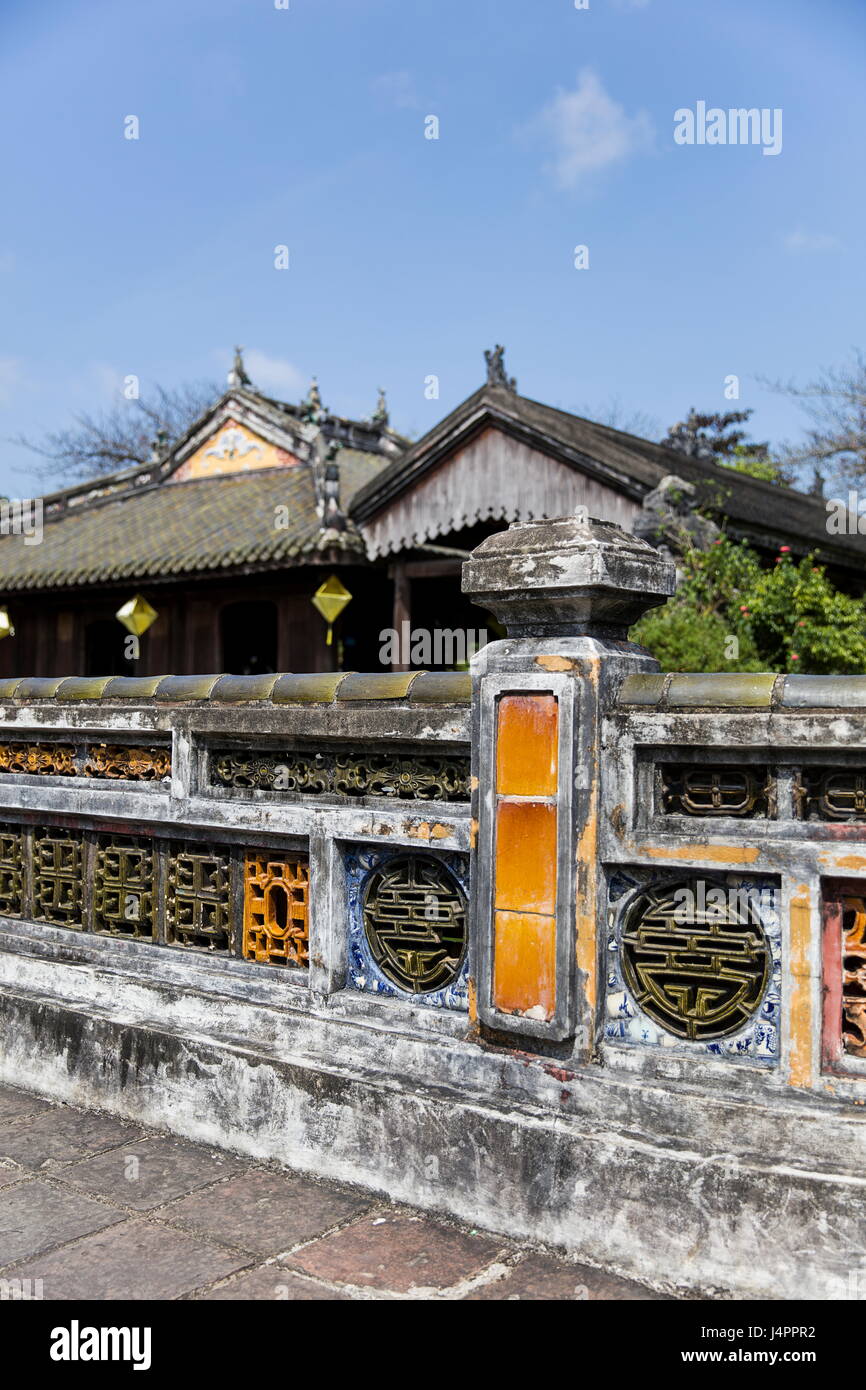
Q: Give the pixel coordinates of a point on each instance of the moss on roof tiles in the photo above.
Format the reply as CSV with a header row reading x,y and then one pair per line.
x,y
179,528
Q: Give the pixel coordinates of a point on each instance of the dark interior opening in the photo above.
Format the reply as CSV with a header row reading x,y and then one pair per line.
x,y
280,906
248,633
104,640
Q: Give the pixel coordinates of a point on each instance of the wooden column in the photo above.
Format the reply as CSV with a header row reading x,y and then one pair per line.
x,y
402,607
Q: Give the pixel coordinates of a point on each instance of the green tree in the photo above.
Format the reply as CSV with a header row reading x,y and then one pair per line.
x,y
800,622
761,466
732,614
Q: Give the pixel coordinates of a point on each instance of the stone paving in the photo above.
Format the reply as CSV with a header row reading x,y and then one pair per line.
x,y
98,1208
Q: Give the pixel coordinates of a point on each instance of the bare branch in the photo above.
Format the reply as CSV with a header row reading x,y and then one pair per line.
x,y
121,436
835,402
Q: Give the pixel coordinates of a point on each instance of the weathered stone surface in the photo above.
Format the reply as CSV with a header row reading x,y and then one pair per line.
x,y
823,692
543,1149
61,1136
567,576
133,1261
264,1212
38,687
237,689
544,1277
743,689
176,688
83,687
441,688
15,1104
148,1172
302,689
36,1217
645,689
390,685
668,518
131,687
272,1282
401,1253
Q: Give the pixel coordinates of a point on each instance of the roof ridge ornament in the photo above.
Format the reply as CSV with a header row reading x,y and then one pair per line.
x,y
496,375
158,446
238,374
326,480
312,408
380,415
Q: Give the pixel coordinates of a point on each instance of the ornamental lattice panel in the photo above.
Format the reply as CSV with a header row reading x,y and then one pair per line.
x,y
40,759
276,892
198,897
123,887
11,871
834,794
695,959
127,763
414,915
405,776
854,976
692,790
58,876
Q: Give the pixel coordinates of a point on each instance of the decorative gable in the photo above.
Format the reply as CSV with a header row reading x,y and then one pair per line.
x,y
492,477
233,448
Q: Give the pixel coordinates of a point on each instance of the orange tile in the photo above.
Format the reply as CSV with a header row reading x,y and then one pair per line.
x,y
526,856
526,745
524,963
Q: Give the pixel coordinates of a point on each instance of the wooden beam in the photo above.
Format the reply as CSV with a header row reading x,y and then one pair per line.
x,y
431,569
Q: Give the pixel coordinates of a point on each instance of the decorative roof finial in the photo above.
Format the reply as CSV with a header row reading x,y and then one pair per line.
x,y
496,369
311,408
380,415
238,375
326,480
158,446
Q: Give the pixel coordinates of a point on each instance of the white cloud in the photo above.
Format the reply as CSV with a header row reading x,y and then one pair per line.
x,y
588,131
801,240
397,88
274,374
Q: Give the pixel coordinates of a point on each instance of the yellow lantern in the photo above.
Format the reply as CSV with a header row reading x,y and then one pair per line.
x,y
330,599
136,615
6,628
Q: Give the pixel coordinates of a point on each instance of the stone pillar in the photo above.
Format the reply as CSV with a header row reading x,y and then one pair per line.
x,y
567,591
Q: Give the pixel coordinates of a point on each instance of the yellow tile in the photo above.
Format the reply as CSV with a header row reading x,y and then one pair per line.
x,y
526,745
524,963
526,856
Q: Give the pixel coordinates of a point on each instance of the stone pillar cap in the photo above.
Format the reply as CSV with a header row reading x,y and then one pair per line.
x,y
567,576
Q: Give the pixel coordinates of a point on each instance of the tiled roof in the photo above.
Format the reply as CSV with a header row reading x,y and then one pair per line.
x,y
767,514
183,528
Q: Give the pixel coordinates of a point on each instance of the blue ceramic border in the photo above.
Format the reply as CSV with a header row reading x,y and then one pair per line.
x,y
627,1023
363,972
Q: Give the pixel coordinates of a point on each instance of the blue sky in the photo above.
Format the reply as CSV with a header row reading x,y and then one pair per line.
x,y
305,127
